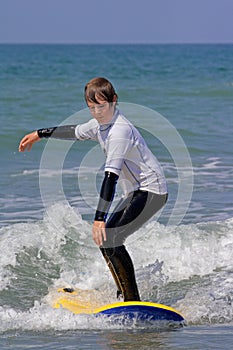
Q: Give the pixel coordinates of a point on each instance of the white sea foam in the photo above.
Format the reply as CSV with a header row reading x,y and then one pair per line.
x,y
188,267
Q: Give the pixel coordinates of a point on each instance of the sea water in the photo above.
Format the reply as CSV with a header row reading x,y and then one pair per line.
x,y
181,99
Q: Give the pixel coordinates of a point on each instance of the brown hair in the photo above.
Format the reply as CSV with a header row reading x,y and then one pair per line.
x,y
99,88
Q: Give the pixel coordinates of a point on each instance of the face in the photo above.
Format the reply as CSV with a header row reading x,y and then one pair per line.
x,y
102,111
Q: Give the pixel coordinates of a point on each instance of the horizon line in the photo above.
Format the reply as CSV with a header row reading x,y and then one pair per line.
x,y
117,43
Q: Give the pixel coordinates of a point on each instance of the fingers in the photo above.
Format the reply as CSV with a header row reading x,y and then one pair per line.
x,y
23,144
99,232
27,141
104,235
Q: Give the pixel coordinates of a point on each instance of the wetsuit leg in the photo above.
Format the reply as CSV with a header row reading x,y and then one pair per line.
x,y
121,267
129,215
107,253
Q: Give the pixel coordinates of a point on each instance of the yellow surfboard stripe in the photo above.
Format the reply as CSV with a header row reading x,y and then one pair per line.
x,y
136,303
68,301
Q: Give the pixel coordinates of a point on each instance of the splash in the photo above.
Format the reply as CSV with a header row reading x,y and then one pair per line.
x,y
188,267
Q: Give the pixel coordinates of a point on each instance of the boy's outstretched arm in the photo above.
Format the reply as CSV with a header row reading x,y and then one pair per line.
x,y
63,132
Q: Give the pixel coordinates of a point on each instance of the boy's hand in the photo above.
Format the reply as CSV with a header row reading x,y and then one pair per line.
x,y
27,141
99,232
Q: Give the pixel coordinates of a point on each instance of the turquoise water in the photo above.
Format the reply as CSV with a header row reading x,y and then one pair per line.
x,y
48,196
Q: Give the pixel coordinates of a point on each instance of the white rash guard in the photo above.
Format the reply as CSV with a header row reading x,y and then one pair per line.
x,y
127,154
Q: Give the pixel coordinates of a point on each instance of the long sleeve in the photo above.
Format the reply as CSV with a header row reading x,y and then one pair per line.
x,y
106,195
66,132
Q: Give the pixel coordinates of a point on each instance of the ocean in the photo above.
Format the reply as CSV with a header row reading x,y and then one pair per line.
x,y
181,99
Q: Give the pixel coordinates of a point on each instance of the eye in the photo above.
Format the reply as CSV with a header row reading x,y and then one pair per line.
x,y
98,107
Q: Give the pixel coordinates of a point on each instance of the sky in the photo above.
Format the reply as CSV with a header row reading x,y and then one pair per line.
x,y
112,21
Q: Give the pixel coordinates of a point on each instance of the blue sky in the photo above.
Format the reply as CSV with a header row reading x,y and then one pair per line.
x,y
122,21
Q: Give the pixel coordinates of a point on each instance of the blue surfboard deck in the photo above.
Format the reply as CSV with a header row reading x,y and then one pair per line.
x,y
141,310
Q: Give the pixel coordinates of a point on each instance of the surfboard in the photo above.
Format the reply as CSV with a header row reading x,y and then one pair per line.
x,y
69,299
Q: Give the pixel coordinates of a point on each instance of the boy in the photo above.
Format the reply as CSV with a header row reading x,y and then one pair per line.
x,y
127,157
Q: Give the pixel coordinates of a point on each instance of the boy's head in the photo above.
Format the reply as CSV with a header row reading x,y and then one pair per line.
x,y
100,89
